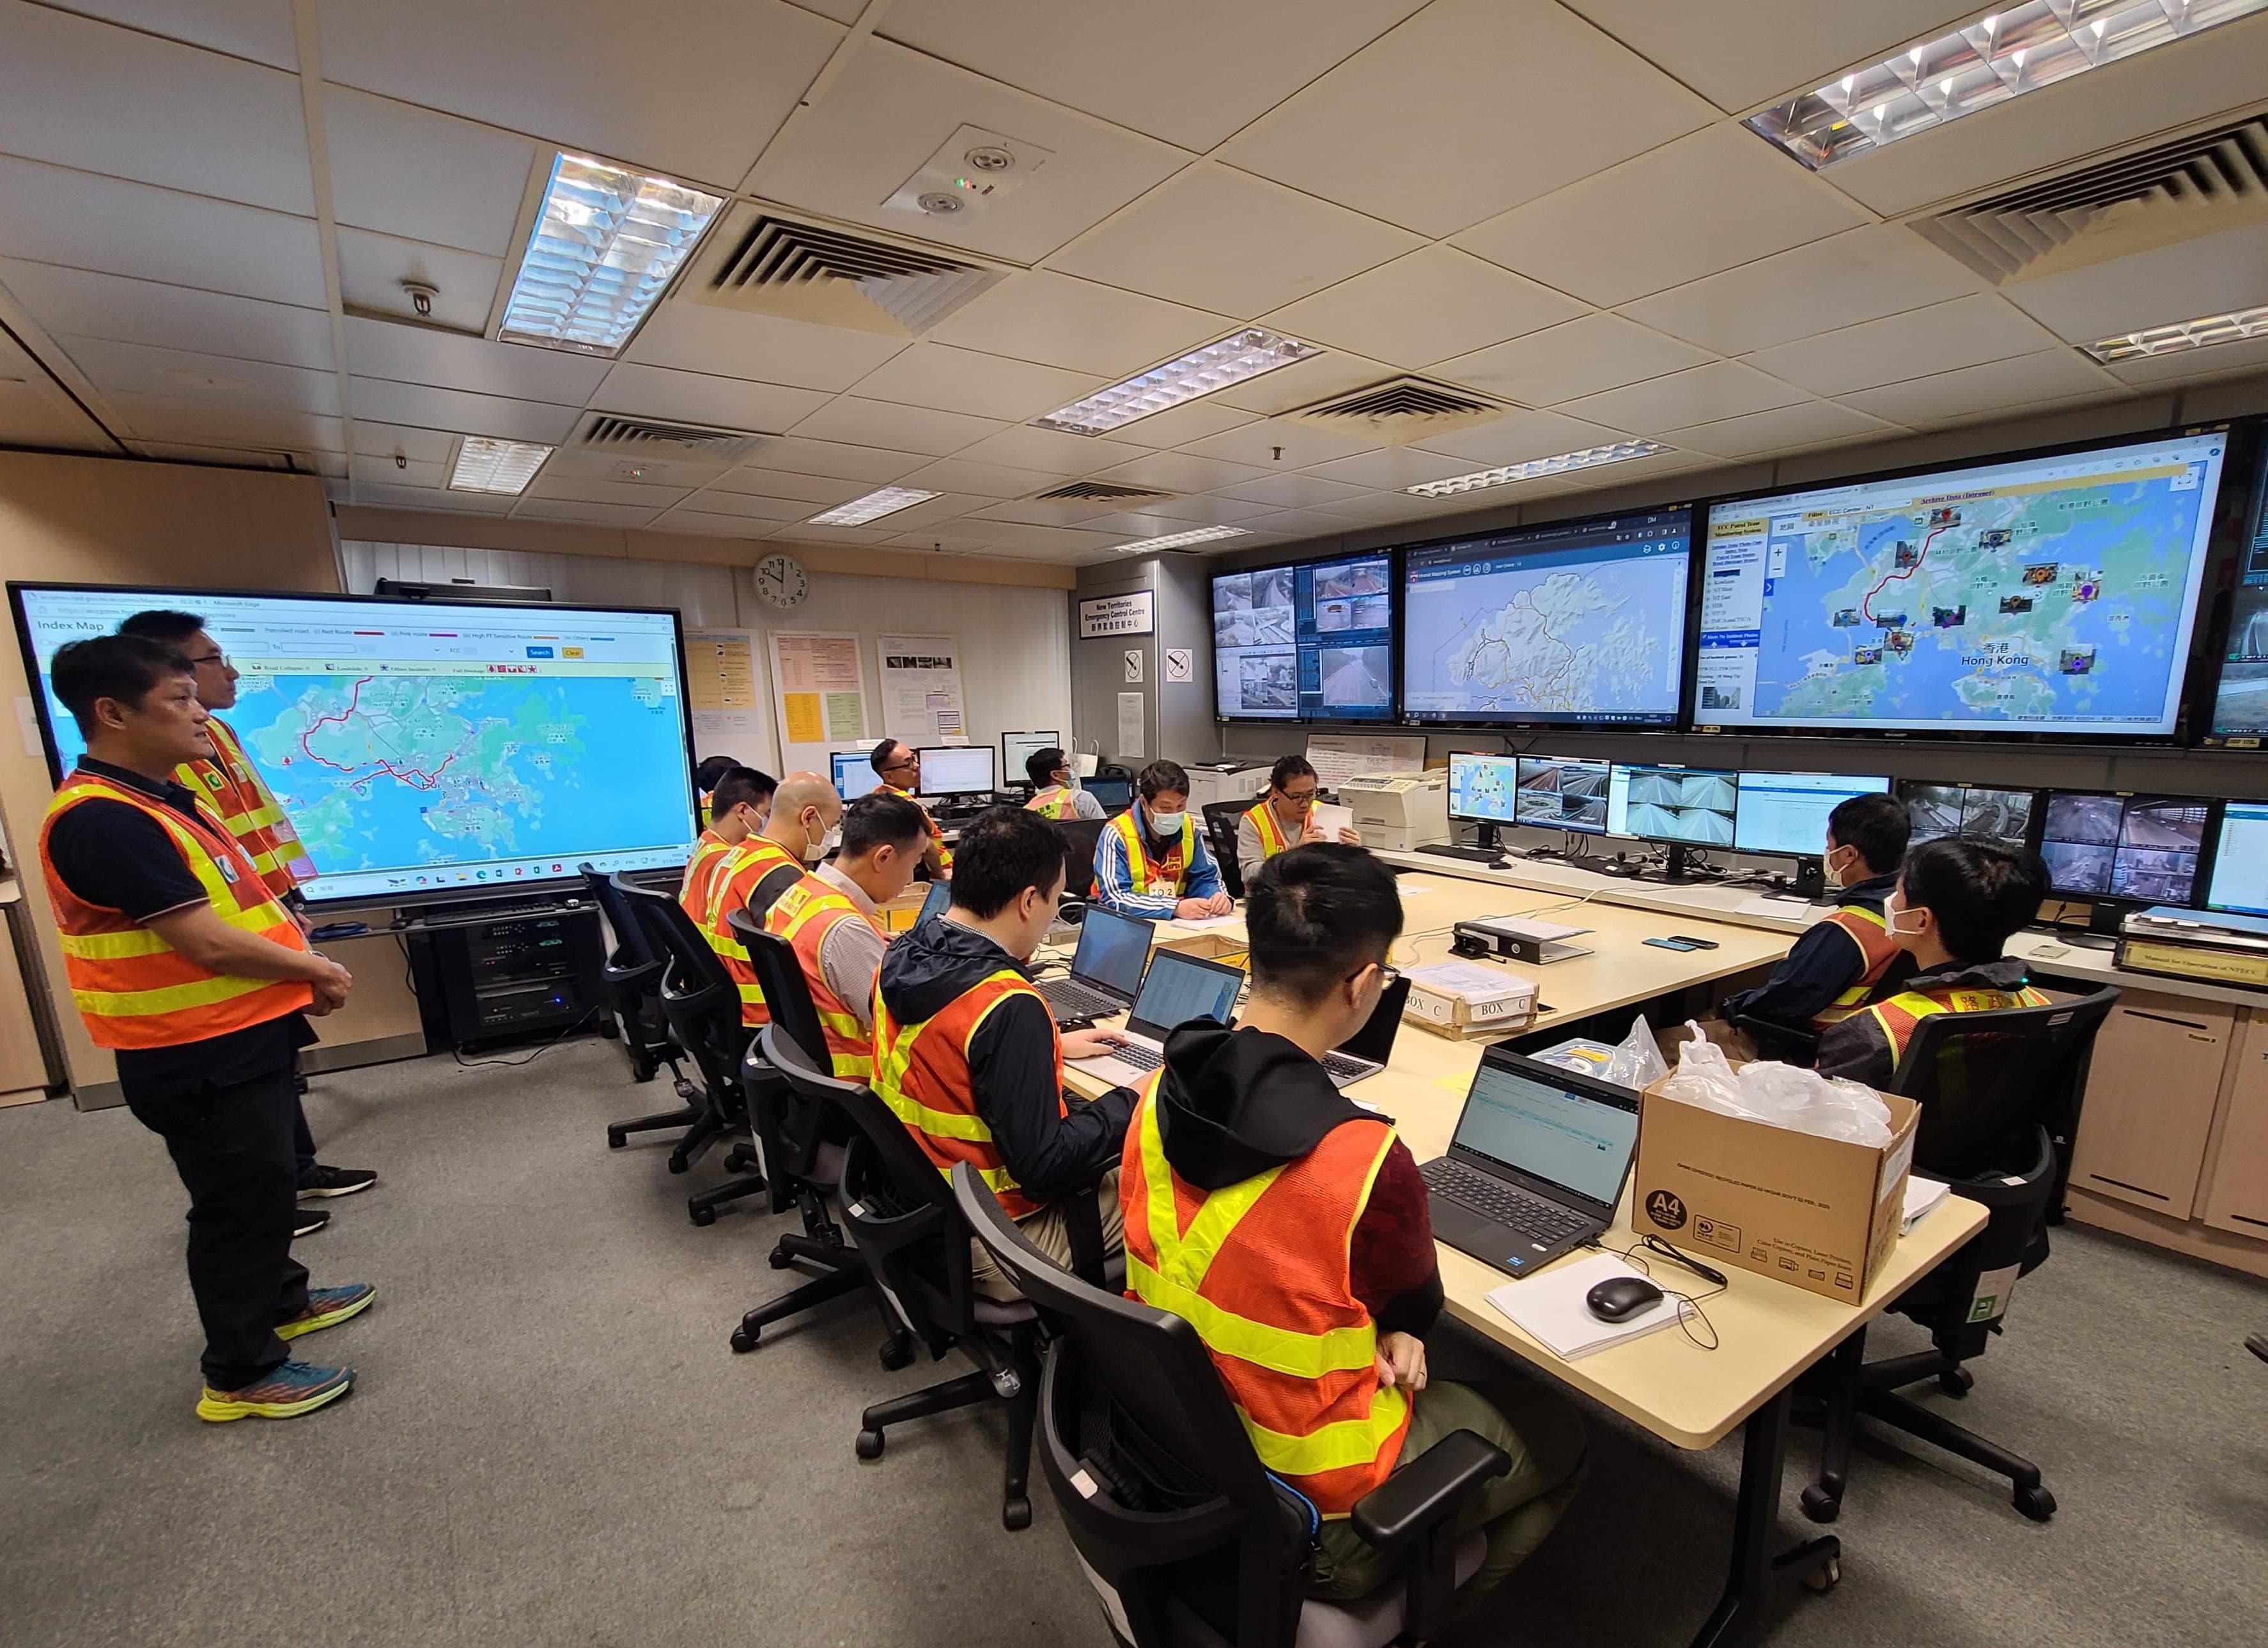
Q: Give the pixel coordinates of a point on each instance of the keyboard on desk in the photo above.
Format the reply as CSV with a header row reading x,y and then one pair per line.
x,y
1339,1067
1492,1198
1470,855
1068,998
1141,1057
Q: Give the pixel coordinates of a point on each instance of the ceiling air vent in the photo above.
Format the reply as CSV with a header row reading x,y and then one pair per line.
x,y
766,264
1096,492
2159,196
1402,409
678,443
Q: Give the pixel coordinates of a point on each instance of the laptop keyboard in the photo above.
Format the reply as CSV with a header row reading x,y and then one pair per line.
x,y
1141,1057
1069,999
1339,1067
1493,1199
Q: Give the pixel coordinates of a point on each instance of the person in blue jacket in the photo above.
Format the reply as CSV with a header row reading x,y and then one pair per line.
x,y
1151,861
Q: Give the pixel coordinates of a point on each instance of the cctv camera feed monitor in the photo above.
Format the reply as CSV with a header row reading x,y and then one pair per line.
x,y
1312,643
1581,624
423,749
1673,804
2144,848
2051,595
1557,793
1970,812
2239,707
2240,866
1786,812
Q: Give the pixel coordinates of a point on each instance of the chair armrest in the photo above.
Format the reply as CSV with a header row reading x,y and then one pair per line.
x,y
1427,1489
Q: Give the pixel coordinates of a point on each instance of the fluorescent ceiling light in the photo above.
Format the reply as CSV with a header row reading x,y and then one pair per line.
x,y
1183,539
484,465
1239,357
606,244
2185,334
2002,54
874,506
1589,458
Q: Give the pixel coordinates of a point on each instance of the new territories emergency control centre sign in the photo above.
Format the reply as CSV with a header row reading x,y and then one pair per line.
x,y
1118,615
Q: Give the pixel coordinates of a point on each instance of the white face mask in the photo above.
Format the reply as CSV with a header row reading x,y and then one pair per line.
x,y
1167,823
1890,913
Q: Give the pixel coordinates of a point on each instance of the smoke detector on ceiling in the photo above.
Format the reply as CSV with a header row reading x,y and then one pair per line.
x,y
974,168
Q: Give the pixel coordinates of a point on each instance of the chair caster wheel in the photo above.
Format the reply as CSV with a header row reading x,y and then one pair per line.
x,y
616,1139
897,1352
870,1444
678,1164
702,1215
1016,1515
2036,1503
744,1340
782,1258
1820,1505
1826,1576
1956,1381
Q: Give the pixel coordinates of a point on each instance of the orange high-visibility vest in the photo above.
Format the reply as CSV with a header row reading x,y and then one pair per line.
x,y
921,1071
944,852
1157,877
1897,1015
1876,949
803,915
1262,1270
708,853
132,987
1057,801
248,809
730,884
1263,818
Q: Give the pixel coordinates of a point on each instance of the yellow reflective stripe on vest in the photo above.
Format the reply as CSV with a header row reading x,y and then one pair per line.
x,y
112,947
891,1065
1339,1446
199,858
1271,833
170,997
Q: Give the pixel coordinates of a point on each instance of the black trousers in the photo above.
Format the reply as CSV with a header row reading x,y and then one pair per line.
x,y
303,1142
233,1146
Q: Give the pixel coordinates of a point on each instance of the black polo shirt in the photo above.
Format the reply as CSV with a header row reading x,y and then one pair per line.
x,y
116,856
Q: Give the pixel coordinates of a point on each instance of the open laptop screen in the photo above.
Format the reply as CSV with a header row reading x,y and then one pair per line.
x,y
1111,951
1563,1135
1179,988
938,897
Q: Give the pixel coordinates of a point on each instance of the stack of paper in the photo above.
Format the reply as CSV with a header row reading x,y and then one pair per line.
x,y
1552,1306
1922,1194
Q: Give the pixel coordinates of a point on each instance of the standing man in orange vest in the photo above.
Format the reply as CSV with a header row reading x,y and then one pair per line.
x,y
1289,1227
183,963
739,805
1056,793
228,782
831,918
1285,817
898,764
751,874
967,1053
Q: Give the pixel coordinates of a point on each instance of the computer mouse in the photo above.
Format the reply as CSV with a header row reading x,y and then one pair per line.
x,y
1618,1298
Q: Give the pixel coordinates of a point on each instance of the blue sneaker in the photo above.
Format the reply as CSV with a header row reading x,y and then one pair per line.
x,y
283,1393
328,1307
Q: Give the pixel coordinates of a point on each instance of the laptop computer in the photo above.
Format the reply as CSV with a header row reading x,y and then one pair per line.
x,y
1106,969
1536,1164
1175,991
1364,1053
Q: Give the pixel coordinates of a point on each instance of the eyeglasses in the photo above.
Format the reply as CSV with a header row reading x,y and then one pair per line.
x,y
210,658
1299,798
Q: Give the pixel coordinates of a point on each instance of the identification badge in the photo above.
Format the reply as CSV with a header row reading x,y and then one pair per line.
x,y
227,870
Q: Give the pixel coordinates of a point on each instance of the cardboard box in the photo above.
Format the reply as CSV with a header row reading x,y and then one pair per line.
x,y
1461,999
899,914
1203,944
1822,1214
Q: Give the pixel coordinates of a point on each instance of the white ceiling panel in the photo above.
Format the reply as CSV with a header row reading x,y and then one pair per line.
x,y
683,520
1300,524
257,29
2206,274
88,304
816,492
1032,512
1783,428
1182,425
1304,383
1943,336
1581,357
983,480
1081,326
805,532
931,513
947,380
450,360
695,96
1276,444
1016,538
374,439
430,476
1425,307
211,423
1948,397
837,461
1863,274
588,514
1470,107
53,216
448,503
1713,201
1388,509
1520,437
1178,472
1051,451
655,392
1390,469
422,176
1186,70
373,267
80,93
34,412
1721,389
700,337
1143,515
1296,491
2191,366
467,413
1215,238
749,505
888,112
1772,45
138,369
897,428
556,484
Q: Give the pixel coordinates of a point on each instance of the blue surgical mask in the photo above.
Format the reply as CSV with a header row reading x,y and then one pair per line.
x,y
1167,823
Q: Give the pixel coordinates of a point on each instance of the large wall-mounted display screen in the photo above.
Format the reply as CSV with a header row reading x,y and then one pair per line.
x,y
1312,643
2240,706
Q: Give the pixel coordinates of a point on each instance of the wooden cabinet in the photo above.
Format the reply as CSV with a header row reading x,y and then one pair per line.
x,y
2156,1078
2236,1192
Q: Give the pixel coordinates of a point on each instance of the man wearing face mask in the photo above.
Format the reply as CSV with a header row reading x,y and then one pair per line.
x,y
739,801
804,827
733,881
1151,861
1056,793
829,918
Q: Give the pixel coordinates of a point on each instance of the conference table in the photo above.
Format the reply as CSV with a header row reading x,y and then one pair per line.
x,y
1768,1332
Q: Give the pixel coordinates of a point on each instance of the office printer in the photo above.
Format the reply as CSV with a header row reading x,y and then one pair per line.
x,y
1399,812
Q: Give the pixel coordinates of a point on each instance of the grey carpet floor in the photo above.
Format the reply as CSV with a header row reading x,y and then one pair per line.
x,y
552,1446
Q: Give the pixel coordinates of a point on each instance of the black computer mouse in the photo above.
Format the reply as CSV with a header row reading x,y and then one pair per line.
x,y
1618,1298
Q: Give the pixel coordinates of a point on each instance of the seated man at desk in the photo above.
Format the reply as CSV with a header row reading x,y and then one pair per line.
x,y
1241,1157
739,801
1151,861
966,1054
1956,905
1285,817
1056,793
898,765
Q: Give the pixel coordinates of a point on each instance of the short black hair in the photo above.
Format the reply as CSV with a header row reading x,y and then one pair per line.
x,y
121,666
1982,893
1162,775
739,786
1877,824
1040,767
1286,768
712,769
1315,916
163,624
880,819
1003,850
879,755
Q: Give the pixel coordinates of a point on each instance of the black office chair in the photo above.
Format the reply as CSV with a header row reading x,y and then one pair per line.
x,y
901,1214
1185,1537
1221,818
702,1006
1992,1087
1775,1041
1080,836
802,1139
633,979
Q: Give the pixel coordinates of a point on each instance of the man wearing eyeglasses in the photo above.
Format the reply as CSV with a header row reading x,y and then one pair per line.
x,y
898,765
1285,817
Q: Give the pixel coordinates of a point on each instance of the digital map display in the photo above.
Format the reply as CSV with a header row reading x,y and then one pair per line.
x,y
2053,594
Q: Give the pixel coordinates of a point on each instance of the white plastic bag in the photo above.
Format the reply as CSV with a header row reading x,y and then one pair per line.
x,y
1637,1060
1704,1076
1781,1095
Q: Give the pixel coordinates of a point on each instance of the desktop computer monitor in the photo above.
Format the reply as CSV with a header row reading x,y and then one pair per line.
x,y
1970,812
1016,748
2129,849
854,774
1786,812
2239,883
958,769
1685,806
1483,789
1562,792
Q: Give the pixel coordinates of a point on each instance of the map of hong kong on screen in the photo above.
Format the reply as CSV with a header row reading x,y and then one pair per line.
x,y
2053,594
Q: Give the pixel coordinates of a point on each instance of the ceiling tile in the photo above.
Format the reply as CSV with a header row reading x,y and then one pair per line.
x,y
898,428
1142,515
414,472
1386,509
88,304
1774,46
884,117
1301,524
437,502
2190,365
591,514
1963,333
1721,389
682,520
2206,274
1713,201
1275,444
947,380
422,176
1782,430
416,405
34,412
1518,438
1884,269
1947,397
803,532
257,29
1297,491
935,511
53,216
209,423
748,506
374,439
1425,307
373,267
1050,451
1304,383
1217,240
817,492
1034,512
701,338
1470,107
1010,535
1185,424
1177,471
655,392
801,456
450,360
696,96
985,481
138,369
1079,325
1581,357
1391,468
577,488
